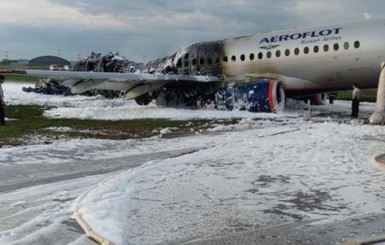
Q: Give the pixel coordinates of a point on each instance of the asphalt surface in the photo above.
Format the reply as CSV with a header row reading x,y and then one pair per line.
x,y
357,230
30,197
360,230
80,175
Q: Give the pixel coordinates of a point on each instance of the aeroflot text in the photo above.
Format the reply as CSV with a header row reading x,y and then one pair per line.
x,y
296,36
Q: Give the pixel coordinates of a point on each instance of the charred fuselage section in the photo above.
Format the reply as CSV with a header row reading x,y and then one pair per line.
x,y
111,62
197,59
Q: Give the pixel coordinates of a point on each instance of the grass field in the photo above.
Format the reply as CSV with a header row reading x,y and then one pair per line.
x,y
28,123
24,78
368,95
5,67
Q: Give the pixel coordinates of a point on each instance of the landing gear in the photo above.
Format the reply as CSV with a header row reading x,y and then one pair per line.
x,y
171,98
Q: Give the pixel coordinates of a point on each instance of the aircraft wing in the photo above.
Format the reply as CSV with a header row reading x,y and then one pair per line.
x,y
81,81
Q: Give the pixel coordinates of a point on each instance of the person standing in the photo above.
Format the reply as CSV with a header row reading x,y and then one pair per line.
x,y
2,103
355,100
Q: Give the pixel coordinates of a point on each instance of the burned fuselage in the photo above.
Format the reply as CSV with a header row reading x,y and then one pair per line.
x,y
196,59
202,58
189,68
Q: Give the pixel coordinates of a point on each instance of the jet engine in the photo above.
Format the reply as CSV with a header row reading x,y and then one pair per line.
x,y
262,95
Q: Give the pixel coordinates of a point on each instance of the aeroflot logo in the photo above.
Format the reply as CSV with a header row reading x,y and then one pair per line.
x,y
302,35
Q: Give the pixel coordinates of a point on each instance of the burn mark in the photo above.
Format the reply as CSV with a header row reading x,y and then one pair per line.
x,y
196,59
204,58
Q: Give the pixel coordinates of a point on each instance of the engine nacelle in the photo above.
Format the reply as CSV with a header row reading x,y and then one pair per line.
x,y
262,95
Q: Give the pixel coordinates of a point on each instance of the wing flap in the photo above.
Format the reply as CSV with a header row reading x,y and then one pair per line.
x,y
142,89
70,82
134,78
134,83
84,86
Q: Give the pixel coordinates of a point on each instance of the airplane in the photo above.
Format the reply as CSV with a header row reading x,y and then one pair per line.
x,y
254,73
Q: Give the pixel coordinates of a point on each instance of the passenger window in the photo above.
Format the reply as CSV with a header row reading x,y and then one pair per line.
x,y
242,57
233,58
278,53
251,56
357,44
306,50
194,62
179,63
225,59
287,52
315,49
260,55
326,47
296,51
336,46
201,61
209,61
268,54
185,63
346,45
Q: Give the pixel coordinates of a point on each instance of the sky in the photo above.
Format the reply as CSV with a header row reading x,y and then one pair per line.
x,y
144,30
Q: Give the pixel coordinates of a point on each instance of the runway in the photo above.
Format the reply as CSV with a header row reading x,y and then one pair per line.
x,y
269,179
35,198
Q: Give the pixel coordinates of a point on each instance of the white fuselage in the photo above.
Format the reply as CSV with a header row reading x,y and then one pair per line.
x,y
321,58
